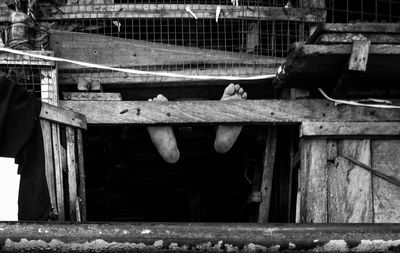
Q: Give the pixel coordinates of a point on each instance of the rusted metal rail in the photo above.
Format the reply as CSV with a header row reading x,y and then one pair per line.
x,y
128,237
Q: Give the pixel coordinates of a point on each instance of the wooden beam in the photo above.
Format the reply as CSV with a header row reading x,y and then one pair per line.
x,y
336,38
268,172
65,117
14,59
135,53
350,129
92,96
360,27
202,11
239,112
125,79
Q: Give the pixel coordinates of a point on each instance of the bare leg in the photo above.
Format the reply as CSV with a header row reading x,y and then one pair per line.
x,y
164,139
227,135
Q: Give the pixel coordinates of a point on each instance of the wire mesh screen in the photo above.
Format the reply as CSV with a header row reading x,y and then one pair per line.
x,y
190,37
36,76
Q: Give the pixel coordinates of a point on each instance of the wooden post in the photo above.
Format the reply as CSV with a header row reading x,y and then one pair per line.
x,y
58,170
266,184
49,165
72,166
81,169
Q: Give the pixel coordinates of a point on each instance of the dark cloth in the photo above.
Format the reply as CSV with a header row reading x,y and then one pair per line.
x,y
21,138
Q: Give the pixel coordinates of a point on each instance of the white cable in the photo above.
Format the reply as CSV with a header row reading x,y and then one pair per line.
x,y
134,71
348,102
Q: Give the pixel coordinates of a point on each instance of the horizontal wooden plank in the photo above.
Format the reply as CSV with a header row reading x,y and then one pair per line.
x,y
93,96
239,112
345,129
179,11
62,116
135,53
120,78
361,29
14,59
375,38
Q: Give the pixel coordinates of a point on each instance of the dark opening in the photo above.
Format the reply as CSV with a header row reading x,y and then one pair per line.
x,y
127,180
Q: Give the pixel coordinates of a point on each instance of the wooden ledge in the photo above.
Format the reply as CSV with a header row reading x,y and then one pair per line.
x,y
224,112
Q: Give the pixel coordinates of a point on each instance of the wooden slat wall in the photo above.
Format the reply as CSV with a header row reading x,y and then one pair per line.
x,y
350,191
386,159
58,170
49,163
334,190
72,168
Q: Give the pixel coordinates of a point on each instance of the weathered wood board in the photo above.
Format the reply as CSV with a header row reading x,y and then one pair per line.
x,y
239,112
92,96
65,117
267,175
313,185
359,55
350,130
170,10
349,187
335,190
135,53
386,159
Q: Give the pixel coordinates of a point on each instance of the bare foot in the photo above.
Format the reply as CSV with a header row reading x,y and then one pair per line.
x,y
227,135
164,139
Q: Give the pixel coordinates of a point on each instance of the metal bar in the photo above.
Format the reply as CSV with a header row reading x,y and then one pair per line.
x,y
390,179
124,237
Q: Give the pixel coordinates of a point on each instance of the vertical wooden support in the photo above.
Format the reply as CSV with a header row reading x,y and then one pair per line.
x,y
71,162
359,55
82,185
49,165
58,170
313,183
266,184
